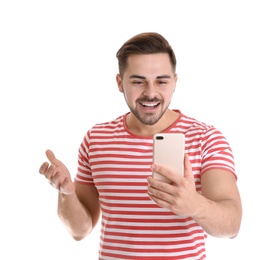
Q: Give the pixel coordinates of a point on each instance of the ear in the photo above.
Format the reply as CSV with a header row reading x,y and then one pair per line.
x,y
119,82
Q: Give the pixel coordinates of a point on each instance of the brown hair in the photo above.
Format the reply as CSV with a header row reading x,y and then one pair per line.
x,y
144,43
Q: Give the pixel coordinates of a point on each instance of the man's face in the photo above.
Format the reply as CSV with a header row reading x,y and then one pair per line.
x,y
148,85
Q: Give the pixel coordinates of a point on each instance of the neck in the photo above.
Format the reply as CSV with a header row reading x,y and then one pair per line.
x,y
137,128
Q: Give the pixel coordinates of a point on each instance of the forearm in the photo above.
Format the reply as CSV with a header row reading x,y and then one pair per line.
x,y
219,219
74,215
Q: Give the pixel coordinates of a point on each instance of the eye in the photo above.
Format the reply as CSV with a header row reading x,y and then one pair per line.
x,y
162,82
137,82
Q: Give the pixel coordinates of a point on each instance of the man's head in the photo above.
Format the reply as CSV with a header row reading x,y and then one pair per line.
x,y
147,78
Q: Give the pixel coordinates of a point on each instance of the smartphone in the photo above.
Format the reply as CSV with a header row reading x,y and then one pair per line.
x,y
168,150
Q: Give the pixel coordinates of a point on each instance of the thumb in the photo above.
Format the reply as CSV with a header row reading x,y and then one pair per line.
x,y
187,167
51,157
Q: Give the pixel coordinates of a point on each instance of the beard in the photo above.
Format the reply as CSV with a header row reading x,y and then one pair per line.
x,y
148,118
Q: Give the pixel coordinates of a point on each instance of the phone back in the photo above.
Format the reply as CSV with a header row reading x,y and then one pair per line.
x,y
168,150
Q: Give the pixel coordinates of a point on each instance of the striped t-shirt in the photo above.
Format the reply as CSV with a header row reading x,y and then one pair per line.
x,y
118,163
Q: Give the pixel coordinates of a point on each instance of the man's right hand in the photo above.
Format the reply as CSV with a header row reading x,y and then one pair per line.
x,y
57,174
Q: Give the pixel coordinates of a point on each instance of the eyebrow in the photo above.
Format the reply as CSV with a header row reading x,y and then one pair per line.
x,y
134,76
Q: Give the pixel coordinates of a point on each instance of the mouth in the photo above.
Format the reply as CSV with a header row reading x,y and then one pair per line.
x,y
149,105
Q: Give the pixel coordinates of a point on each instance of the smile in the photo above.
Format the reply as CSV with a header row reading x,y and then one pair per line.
x,y
150,105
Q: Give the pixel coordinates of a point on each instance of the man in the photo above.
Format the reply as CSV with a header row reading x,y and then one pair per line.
x,y
142,217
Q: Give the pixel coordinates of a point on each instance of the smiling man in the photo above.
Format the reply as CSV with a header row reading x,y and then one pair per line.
x,y
143,217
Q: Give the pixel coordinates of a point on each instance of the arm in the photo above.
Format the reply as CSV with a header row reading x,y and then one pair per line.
x,y
218,209
79,211
78,205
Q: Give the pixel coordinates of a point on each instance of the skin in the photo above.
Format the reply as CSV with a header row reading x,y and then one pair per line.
x,y
148,85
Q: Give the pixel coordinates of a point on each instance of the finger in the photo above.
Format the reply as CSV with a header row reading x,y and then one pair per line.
x,y
55,179
160,194
160,199
165,172
50,172
43,168
156,186
187,167
51,157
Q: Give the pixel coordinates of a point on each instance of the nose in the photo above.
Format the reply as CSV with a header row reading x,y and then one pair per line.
x,y
150,90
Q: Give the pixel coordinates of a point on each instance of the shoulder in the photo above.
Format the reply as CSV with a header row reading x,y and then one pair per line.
x,y
197,131
190,124
112,124
101,131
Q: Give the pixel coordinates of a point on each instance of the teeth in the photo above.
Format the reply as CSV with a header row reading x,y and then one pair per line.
x,y
149,105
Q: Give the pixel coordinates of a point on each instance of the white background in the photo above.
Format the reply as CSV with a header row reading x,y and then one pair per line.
x,y
57,79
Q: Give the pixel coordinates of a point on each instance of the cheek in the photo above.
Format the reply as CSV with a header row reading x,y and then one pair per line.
x,y
130,95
